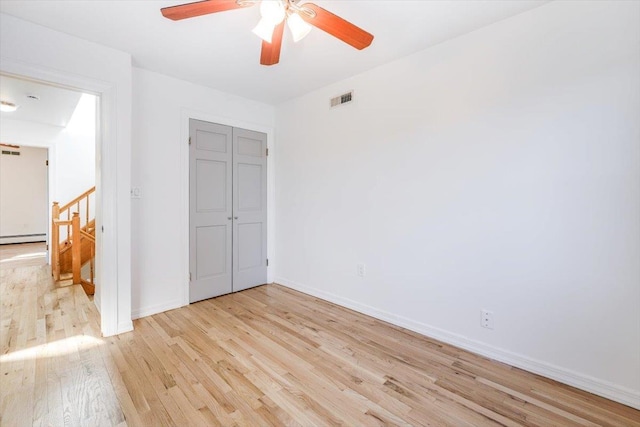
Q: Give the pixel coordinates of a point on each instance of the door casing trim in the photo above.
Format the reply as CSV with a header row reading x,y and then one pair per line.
x,y
107,291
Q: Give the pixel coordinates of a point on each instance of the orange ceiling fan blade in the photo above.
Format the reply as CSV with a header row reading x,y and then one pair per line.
x,y
189,10
336,26
270,54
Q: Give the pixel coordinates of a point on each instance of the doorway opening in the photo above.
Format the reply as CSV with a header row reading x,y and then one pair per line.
x,y
54,131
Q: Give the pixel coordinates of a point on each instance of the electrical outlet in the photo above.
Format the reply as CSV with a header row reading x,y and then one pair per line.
x,y
486,321
361,268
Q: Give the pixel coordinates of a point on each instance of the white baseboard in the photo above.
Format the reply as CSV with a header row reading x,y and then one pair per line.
x,y
155,309
593,385
31,238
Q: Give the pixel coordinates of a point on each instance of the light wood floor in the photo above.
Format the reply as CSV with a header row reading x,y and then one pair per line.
x,y
266,356
23,255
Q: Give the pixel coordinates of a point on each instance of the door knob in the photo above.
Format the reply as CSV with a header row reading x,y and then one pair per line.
x,y
228,217
235,217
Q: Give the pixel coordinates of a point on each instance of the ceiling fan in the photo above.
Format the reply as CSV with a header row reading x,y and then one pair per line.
x,y
274,14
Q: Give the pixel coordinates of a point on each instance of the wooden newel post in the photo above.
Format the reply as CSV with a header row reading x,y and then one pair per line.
x,y
55,241
76,248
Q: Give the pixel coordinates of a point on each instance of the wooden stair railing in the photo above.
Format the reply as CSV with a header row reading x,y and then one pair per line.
x,y
78,246
65,261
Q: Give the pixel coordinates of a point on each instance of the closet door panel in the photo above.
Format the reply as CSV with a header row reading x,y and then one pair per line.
x,y
210,210
250,209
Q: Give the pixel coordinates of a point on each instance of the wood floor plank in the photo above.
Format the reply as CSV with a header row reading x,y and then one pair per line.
x,y
265,356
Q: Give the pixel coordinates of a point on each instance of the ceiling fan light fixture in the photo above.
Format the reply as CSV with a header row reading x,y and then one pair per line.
x,y
272,11
300,18
299,28
264,30
8,107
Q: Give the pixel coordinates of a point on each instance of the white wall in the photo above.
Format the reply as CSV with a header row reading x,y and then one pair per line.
x,y
75,152
39,53
161,108
24,132
499,170
23,195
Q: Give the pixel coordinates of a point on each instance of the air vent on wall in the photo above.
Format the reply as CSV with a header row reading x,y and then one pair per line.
x,y
345,98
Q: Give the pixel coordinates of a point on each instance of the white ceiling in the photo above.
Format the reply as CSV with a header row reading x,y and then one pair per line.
x,y
35,121
219,50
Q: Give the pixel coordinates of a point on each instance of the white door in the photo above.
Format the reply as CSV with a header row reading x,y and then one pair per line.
x,y
210,210
228,210
249,209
